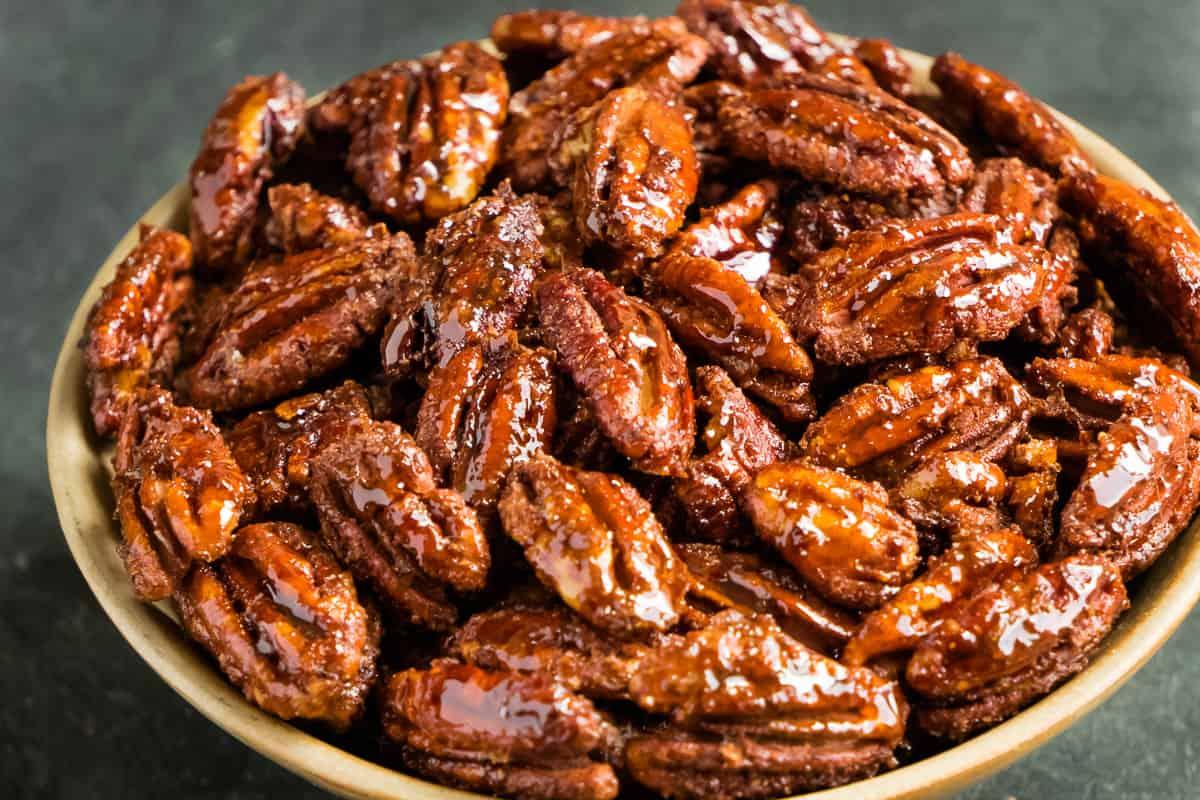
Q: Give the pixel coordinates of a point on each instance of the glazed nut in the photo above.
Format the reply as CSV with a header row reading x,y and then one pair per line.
x,y
304,219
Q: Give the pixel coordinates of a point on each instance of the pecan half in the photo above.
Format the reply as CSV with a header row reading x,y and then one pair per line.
x,y
131,338
1032,494
304,219
1024,197
285,624
743,234
595,541
255,128
936,490
887,66
622,360
820,220
556,34
179,492
1086,334
386,520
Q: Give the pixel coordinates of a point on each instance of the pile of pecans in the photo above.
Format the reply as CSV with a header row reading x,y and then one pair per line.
x,y
680,403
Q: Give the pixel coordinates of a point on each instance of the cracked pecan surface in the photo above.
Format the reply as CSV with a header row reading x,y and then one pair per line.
x,y
744,233
304,219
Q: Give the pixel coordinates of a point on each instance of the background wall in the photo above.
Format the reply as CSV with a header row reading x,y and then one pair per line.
x,y
102,109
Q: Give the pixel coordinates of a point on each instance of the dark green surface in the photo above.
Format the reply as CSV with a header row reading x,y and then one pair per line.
x,y
101,110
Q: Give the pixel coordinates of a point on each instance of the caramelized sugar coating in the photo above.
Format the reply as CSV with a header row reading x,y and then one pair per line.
x,y
934,493
296,318
1024,197
593,539
485,411
475,278
887,65
1151,241
743,234
275,447
623,361
131,339
660,58
304,219
179,492
556,34
1006,646
386,520
882,430
1013,120
1032,494
630,166
255,129
838,532
423,135
285,624
820,220
561,243
1087,334
853,138
508,733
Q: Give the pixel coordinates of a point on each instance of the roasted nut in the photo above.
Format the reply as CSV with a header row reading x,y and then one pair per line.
x,y
743,234
1014,120
933,494
622,360
385,519
179,492
556,34
476,278
821,220
294,319
1008,645
631,169
1086,334
254,129
131,338
285,624
275,448
500,732
595,541
423,134
1032,494
1024,197
485,412
836,531
304,219
887,65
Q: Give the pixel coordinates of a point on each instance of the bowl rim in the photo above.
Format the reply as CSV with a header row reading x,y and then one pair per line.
x,y
78,472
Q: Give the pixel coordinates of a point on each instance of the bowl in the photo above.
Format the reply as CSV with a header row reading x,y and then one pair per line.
x,y
79,476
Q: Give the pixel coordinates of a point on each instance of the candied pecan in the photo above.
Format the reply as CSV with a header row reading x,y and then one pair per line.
x,y
1024,197
131,337
1010,117
932,494
918,287
1032,494
854,138
477,272
386,520
486,411
556,34
595,541
836,531
500,732
631,168
1060,293
715,311
660,57
882,430
1086,334
304,219
621,358
285,624
562,245
822,220
743,234
179,492
1008,645
275,447
255,128
887,65
738,440
423,134
754,41
1151,240
296,318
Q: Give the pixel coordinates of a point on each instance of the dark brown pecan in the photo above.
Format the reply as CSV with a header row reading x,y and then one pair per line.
x,y
1011,118
631,169
131,337
293,319
1006,646
1086,334
821,220
304,219
179,492
887,65
1032,494
423,134
660,57
275,448
595,541
285,624
743,234
386,520
486,411
838,532
556,34
476,277
622,360
936,490
1024,197
853,138
255,128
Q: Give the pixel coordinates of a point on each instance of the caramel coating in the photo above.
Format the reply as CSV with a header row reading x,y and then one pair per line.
x,y
1024,197
131,339
304,219
285,625
743,234
887,65
556,34
822,220
255,129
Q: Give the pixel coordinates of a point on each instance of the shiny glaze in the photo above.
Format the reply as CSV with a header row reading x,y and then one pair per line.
x,y
304,219
744,234
555,34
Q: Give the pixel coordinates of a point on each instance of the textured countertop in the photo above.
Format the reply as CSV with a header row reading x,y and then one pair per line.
x,y
102,109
